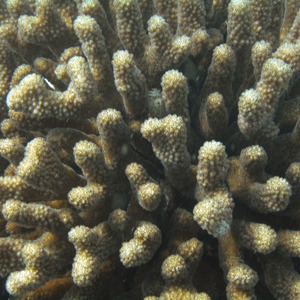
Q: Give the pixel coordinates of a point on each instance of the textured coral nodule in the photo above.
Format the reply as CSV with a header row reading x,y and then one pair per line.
x,y
150,149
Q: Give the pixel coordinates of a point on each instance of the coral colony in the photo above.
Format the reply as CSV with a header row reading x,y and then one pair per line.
x,y
150,149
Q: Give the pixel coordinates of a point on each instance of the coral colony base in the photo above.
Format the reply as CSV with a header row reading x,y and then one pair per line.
x,y
150,149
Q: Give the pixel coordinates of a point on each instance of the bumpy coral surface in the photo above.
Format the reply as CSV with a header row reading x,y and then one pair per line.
x,y
150,149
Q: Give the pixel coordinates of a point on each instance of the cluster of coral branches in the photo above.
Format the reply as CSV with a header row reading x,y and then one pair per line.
x,y
150,149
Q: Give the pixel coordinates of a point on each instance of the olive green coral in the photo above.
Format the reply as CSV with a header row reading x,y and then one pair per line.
x,y
149,149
